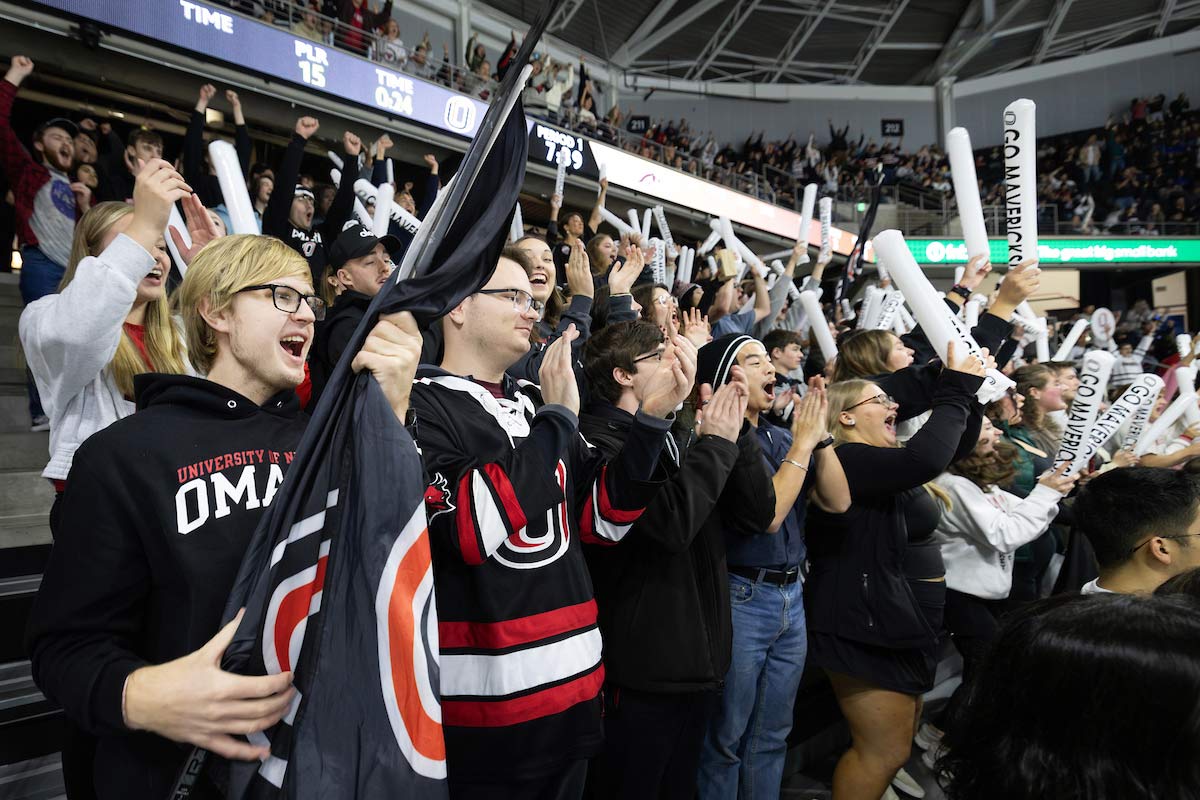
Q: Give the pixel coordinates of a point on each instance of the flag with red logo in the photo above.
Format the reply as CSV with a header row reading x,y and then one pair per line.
x,y
337,583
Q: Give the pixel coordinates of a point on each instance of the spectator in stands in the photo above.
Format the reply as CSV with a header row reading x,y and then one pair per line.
x,y
1128,365
542,279
309,24
47,202
874,616
664,669
197,166
110,319
418,63
1109,660
125,633
289,216
390,49
1141,522
981,526
363,22
575,229
518,565
1043,393
360,265
738,321
747,740
122,164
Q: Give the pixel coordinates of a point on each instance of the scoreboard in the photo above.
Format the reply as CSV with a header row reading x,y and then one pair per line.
x,y
277,54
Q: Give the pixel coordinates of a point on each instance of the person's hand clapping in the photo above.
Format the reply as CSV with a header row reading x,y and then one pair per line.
x,y
723,412
557,375
809,423
623,276
672,382
579,273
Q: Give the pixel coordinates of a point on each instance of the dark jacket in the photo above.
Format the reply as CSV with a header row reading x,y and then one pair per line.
x,y
157,514
332,337
204,183
857,588
311,242
663,592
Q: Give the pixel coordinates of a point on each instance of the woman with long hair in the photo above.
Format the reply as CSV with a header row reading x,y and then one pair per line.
x,y
602,253
559,312
110,320
980,529
877,586
658,304
1091,696
1043,393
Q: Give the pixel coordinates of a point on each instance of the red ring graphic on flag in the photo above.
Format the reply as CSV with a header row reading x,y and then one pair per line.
x,y
403,602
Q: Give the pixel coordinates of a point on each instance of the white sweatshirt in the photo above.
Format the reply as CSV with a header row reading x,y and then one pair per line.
x,y
70,337
981,531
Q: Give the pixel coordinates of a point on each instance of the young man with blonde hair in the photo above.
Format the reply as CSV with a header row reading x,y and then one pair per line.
x,y
126,631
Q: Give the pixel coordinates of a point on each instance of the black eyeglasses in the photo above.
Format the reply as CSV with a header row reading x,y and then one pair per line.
x,y
288,300
522,300
1152,538
882,399
657,356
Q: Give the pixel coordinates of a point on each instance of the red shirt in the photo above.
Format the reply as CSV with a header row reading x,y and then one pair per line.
x,y
138,334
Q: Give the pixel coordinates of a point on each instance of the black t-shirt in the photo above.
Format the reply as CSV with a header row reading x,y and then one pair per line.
x,y
562,252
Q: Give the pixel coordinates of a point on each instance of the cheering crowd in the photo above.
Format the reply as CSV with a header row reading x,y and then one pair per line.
x,y
650,503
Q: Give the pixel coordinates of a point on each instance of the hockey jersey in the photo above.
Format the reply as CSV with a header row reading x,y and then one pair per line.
x,y
513,490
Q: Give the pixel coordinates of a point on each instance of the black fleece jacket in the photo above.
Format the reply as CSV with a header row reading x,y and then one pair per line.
x,y
157,514
332,337
663,592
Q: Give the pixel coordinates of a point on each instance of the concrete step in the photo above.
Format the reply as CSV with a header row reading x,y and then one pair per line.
x,y
24,450
14,408
26,530
25,492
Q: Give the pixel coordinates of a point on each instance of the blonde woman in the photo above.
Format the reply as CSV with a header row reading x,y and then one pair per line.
x,y
109,321
877,586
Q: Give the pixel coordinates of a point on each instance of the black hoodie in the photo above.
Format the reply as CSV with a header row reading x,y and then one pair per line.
x,y
332,337
158,511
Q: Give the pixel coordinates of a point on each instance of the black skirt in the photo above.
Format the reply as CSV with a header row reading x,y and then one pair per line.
x,y
910,670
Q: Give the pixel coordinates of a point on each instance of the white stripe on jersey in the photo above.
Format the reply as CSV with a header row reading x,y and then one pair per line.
x,y
499,675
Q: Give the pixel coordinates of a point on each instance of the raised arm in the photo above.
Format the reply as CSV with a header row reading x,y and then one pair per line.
x,y
193,138
13,155
279,207
241,136
343,201
596,217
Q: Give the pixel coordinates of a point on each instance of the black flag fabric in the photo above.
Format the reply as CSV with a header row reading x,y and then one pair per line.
x,y
337,582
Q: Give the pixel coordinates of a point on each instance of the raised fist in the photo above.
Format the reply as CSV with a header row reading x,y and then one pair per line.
x,y
307,126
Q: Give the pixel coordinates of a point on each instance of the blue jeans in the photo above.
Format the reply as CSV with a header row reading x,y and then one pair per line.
x,y
39,277
747,738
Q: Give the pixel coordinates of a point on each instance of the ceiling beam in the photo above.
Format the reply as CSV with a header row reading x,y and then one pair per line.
x,y
646,38
951,63
909,46
875,38
723,35
563,16
1057,15
798,39
1168,8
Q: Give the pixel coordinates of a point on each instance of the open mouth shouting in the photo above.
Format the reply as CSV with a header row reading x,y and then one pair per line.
x,y
889,424
293,345
538,279
154,277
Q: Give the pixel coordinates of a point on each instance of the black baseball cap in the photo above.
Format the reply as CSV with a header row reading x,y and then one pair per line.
x,y
356,241
58,122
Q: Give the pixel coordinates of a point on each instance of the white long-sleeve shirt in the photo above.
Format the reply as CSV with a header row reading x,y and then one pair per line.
x,y
69,339
981,531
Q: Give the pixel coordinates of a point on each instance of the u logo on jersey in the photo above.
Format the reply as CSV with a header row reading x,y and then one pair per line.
x,y
524,550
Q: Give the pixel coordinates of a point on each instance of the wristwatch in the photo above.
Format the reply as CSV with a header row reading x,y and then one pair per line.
x,y
961,291
828,440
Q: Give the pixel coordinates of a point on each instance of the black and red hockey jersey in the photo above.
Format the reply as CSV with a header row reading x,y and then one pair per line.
x,y
513,491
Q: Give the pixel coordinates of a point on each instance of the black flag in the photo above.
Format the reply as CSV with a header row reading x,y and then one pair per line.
x,y
337,582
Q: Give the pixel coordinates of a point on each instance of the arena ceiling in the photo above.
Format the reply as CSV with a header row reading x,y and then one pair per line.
x,y
885,42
